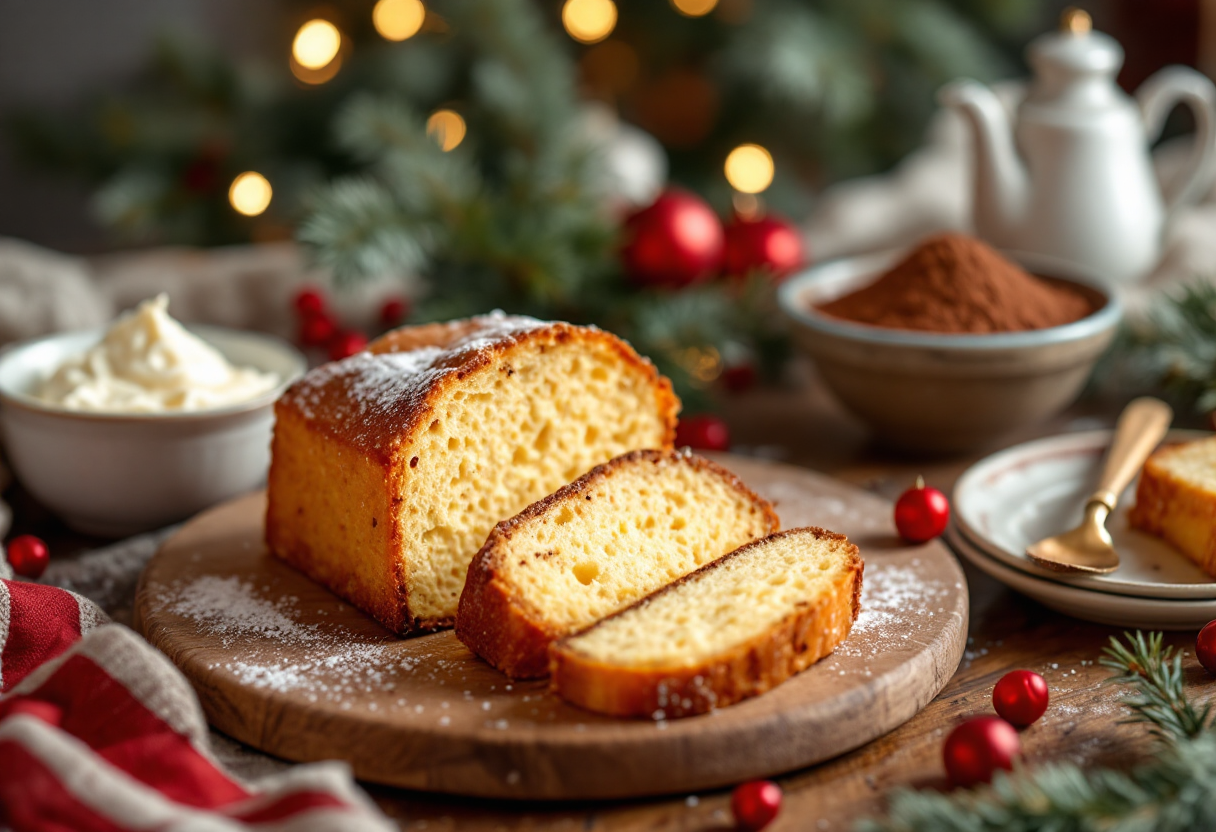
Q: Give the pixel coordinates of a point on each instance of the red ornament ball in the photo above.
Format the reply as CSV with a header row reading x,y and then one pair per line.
x,y
767,243
976,749
703,433
921,513
28,556
1020,697
755,804
317,330
393,311
674,242
308,302
346,344
1205,647
739,377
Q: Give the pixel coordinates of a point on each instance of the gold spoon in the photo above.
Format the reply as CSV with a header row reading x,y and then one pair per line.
x,y
1087,548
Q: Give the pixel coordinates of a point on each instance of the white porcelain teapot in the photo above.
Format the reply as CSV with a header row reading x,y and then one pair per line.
x,y
1071,177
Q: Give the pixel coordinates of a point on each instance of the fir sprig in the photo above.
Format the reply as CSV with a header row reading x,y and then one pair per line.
x,y
1173,792
1174,347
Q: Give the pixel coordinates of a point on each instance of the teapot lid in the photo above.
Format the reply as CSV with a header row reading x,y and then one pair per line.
x,y
1073,55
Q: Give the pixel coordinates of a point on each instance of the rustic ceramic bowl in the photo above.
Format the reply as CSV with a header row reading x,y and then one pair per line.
x,y
118,474
938,393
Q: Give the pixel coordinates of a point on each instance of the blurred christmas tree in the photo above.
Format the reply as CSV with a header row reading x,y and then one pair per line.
x,y
456,141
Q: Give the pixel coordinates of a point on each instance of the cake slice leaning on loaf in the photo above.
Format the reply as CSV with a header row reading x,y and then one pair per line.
x,y
616,534
389,468
735,628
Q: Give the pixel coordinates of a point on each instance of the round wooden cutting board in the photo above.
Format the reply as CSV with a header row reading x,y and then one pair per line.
x,y
282,664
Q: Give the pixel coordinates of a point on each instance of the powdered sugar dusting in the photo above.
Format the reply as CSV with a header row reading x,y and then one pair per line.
x,y
228,608
797,508
897,603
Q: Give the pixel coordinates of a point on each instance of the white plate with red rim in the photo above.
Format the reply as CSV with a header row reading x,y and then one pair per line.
x,y
1018,496
1090,605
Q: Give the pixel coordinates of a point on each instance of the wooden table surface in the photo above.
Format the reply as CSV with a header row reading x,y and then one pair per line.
x,y
800,424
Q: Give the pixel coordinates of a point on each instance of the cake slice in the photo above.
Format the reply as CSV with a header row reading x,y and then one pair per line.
x,y
389,468
734,628
616,534
1176,500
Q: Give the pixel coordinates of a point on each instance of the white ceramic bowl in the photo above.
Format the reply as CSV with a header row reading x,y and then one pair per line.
x,y
119,474
944,393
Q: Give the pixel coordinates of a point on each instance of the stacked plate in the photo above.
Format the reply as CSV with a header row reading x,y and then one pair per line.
x,y
1016,497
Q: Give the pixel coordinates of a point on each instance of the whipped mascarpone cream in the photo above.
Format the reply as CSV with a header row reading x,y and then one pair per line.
x,y
149,363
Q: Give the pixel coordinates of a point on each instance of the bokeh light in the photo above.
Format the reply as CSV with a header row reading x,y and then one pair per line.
x,y
694,8
250,193
447,128
316,44
398,19
749,168
589,21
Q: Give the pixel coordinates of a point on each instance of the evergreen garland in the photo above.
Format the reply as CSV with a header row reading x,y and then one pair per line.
x,y
1173,792
1173,347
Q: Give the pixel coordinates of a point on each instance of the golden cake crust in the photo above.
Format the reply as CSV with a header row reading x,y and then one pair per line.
x,y
504,628
785,649
1177,509
340,433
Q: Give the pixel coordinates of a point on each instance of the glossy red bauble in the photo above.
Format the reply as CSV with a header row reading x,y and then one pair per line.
x,y
317,330
346,344
393,311
674,242
308,302
703,433
768,243
755,804
921,513
1205,647
28,556
1020,697
975,750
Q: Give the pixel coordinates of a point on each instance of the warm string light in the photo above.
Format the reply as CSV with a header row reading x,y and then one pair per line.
x,y
250,193
398,20
447,128
694,8
589,21
316,44
749,168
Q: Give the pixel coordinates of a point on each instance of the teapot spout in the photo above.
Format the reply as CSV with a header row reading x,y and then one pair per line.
x,y
1001,182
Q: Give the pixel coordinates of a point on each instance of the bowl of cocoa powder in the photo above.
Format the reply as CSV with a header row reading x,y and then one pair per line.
x,y
950,346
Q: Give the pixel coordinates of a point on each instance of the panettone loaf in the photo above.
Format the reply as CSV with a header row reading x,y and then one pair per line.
x,y
616,534
1176,499
735,628
390,467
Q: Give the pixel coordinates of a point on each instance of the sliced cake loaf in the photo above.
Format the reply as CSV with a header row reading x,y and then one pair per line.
x,y
733,629
390,467
1176,500
616,534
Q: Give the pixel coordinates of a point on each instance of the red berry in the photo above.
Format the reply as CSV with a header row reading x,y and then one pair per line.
x,y
921,513
1020,697
317,330
394,311
738,378
1205,647
703,432
28,556
975,750
674,242
767,243
346,344
755,804
309,302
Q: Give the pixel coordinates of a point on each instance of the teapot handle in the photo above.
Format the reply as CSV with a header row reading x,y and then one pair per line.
x,y
1157,97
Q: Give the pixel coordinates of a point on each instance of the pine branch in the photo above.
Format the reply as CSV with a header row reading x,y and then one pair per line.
x,y
1176,790
1145,665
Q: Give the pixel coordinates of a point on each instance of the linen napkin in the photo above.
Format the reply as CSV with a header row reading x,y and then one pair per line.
x,y
98,731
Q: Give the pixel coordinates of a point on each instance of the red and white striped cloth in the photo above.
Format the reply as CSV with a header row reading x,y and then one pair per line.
x,y
98,731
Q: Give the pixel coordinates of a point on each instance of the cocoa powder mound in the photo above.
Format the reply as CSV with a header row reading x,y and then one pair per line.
x,y
952,283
